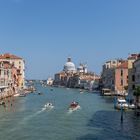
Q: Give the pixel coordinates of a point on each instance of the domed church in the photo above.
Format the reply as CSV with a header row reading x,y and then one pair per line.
x,y
69,66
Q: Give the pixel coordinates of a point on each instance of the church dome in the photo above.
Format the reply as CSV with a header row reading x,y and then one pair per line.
x,y
69,66
80,67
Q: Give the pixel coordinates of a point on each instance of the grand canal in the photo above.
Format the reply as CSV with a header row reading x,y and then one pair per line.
x,y
96,120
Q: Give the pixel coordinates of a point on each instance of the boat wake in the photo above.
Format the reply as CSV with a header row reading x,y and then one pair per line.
x,y
33,115
70,111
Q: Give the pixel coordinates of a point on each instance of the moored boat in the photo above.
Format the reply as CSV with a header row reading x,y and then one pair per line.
x,y
106,92
131,106
2,103
121,104
16,95
74,106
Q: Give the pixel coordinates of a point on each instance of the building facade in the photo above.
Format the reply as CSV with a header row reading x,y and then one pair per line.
x,y
121,78
109,74
19,64
75,78
137,72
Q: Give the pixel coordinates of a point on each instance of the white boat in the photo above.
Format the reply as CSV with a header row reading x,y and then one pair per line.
x,y
121,104
48,106
131,106
2,103
74,106
16,95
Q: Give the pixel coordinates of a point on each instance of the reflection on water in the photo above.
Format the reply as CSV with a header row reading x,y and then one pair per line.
x,y
26,118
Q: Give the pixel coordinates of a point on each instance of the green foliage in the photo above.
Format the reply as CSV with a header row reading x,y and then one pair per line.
x,y
137,91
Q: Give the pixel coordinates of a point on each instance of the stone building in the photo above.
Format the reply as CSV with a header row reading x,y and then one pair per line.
x,y
108,73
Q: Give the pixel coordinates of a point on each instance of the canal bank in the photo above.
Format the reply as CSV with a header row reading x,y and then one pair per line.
x,y
96,119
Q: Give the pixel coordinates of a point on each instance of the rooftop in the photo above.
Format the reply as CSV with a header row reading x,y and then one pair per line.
x,y
9,56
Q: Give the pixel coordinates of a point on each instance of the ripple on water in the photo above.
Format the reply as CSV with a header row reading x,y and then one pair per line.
x,y
97,119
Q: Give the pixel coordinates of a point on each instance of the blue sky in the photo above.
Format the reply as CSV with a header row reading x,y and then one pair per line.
x,y
46,32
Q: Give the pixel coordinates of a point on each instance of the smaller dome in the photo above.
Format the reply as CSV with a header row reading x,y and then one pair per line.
x,y
80,68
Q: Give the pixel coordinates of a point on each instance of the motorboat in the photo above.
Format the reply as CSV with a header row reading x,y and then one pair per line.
x,y
2,103
121,104
48,106
131,106
16,95
74,106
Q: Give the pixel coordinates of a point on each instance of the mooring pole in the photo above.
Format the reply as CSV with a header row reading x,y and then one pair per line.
x,y
121,113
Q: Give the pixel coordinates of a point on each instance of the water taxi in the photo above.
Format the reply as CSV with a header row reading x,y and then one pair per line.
x,y
48,106
74,106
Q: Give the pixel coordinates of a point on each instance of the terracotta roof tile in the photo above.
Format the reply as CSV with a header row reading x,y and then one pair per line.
x,y
9,56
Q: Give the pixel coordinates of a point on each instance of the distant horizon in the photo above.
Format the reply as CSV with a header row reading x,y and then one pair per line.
x,y
45,33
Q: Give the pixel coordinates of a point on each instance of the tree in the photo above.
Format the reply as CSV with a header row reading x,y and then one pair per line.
x,y
137,95
137,91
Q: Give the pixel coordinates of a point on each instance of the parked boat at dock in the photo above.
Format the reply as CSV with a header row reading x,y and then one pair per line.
x,y
2,103
106,92
121,103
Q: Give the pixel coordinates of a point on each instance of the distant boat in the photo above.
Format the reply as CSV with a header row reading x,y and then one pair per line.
x,y
106,92
48,106
16,95
2,103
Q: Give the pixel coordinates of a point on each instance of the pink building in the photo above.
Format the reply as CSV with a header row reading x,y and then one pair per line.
x,y
121,77
8,74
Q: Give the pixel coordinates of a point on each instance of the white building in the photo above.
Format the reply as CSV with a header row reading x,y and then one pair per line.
x,y
49,81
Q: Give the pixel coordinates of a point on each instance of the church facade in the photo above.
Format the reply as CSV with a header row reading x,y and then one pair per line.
x,y
73,77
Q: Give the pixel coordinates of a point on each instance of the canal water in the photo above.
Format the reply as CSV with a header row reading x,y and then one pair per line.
x,y
24,119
